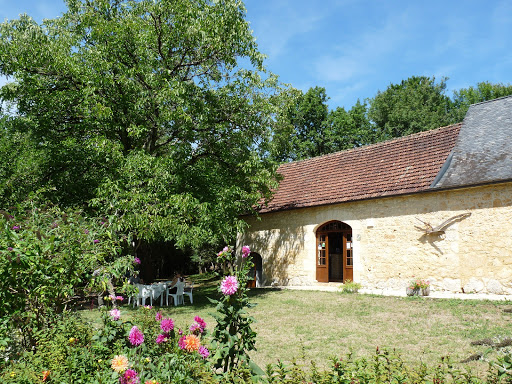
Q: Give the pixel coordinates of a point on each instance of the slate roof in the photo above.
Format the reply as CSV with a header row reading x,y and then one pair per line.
x,y
399,166
483,151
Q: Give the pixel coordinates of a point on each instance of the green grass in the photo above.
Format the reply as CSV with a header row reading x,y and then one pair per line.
x,y
307,325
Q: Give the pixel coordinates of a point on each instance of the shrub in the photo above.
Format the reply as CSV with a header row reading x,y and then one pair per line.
x,y
350,286
46,253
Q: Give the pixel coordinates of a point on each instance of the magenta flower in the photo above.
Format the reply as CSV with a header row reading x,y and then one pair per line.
x,y
10,248
229,285
136,260
129,377
201,322
195,328
15,228
198,326
167,325
96,241
86,231
224,252
246,251
161,338
181,342
136,337
158,316
115,314
203,351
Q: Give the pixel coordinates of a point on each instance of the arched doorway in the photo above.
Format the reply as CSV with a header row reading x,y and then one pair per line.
x,y
256,273
334,258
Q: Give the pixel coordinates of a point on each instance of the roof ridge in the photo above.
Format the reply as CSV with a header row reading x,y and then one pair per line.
x,y
490,101
397,166
412,136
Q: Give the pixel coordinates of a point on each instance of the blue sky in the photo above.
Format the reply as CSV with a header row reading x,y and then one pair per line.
x,y
354,48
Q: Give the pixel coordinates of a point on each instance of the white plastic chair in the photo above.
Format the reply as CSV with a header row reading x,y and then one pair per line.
x,y
188,292
178,296
145,292
166,285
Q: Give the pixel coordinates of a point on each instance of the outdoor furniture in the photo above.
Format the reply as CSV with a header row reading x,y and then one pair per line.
x,y
177,297
188,291
164,285
145,292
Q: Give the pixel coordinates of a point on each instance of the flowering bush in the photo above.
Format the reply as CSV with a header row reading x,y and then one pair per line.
x,y
45,255
233,336
119,352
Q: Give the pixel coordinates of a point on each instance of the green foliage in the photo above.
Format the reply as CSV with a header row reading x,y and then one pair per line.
x,y
233,336
20,163
140,108
71,352
305,128
301,132
483,91
383,367
414,105
349,129
350,286
46,254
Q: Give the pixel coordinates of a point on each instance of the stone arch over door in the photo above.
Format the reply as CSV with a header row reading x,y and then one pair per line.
x,y
334,252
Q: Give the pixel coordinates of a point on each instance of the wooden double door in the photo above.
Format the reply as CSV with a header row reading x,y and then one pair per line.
x,y
334,258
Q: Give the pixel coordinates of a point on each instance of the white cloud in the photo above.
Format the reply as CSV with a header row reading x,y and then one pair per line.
x,y
364,53
285,21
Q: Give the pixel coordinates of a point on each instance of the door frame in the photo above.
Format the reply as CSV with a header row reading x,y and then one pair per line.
x,y
322,251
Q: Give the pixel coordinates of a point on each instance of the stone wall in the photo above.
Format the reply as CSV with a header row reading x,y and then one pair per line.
x,y
474,254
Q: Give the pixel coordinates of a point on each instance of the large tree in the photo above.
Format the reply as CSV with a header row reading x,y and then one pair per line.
x,y
414,105
143,111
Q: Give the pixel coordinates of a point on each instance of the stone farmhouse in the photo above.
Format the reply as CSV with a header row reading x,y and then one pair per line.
x,y
434,205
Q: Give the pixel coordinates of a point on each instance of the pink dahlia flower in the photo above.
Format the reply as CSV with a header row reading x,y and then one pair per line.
x,y
201,322
136,337
161,338
203,351
181,342
246,251
229,285
167,325
115,314
158,316
195,328
129,377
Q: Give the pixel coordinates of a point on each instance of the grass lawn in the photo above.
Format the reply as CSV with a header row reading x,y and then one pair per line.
x,y
307,325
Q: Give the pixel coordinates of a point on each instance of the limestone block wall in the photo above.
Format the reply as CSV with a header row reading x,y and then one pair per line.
x,y
474,254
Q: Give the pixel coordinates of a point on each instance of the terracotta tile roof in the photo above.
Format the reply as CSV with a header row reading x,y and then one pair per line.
x,y
399,166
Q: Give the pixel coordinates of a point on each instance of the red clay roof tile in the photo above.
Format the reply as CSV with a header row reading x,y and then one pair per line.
x,y
399,166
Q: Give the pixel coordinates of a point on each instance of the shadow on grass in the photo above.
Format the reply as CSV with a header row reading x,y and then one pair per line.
x,y
205,287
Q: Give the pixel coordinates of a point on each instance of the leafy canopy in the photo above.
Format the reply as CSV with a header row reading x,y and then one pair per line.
x,y
142,110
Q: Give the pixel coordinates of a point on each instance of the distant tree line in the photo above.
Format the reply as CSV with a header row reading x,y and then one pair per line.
x,y
307,128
